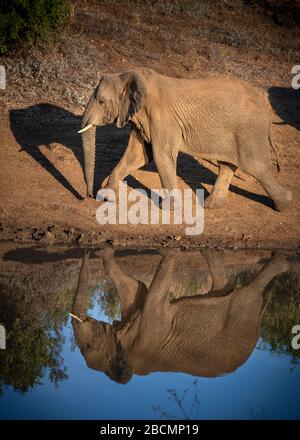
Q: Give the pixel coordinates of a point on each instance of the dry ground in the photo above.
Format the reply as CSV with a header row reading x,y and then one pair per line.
x,y
42,186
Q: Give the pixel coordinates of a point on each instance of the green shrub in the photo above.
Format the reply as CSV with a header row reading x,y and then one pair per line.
x,y
282,313
31,20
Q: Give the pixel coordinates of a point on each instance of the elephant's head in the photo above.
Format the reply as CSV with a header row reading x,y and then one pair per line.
x,y
115,100
101,349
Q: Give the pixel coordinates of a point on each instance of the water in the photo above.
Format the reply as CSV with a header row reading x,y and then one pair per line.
x,y
169,334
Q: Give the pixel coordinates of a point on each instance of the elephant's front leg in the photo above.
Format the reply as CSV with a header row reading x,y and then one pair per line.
x,y
134,158
158,309
216,265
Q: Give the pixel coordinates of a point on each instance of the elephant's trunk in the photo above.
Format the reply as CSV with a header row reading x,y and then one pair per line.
x,y
89,149
89,146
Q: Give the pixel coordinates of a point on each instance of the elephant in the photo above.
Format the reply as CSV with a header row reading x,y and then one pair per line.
x,y
203,335
214,118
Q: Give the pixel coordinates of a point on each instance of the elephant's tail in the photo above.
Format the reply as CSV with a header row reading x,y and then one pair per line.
x,y
279,122
285,122
275,152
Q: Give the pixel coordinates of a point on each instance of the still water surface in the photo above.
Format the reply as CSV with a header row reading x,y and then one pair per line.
x,y
164,334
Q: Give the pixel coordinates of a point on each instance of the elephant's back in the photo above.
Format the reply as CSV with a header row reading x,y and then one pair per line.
x,y
213,92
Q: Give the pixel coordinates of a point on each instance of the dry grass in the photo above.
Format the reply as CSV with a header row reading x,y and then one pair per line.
x,y
200,38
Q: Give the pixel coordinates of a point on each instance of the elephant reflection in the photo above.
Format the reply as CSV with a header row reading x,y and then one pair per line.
x,y
203,335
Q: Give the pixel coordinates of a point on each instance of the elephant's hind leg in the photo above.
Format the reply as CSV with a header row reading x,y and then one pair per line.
x,y
254,159
280,195
277,193
218,196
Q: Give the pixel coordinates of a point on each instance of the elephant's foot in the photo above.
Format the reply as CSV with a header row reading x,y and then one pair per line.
x,y
169,203
90,195
106,252
279,264
169,252
214,202
113,194
282,203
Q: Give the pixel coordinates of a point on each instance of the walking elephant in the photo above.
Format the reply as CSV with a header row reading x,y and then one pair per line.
x,y
204,335
214,118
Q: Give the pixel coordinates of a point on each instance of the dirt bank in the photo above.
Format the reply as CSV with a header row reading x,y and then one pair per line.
x,y
42,186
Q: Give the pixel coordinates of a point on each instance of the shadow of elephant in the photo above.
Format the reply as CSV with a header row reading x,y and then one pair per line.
x,y
208,334
286,104
192,173
45,123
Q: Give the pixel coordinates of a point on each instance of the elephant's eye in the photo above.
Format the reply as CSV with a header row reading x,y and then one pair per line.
x,y
100,101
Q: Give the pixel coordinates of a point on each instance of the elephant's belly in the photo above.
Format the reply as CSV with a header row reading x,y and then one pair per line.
x,y
214,146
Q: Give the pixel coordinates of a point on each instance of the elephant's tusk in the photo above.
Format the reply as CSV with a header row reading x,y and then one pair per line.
x,y
75,317
85,128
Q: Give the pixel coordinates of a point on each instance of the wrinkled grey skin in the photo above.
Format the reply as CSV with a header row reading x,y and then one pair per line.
x,y
214,118
203,335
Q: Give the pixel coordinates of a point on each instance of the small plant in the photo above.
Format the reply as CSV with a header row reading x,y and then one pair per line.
x,y
30,20
185,411
282,313
109,301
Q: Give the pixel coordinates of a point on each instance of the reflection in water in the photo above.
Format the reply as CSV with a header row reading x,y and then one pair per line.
x,y
206,334
33,316
196,312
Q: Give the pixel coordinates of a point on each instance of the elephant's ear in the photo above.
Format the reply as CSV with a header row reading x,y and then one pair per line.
x,y
132,98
